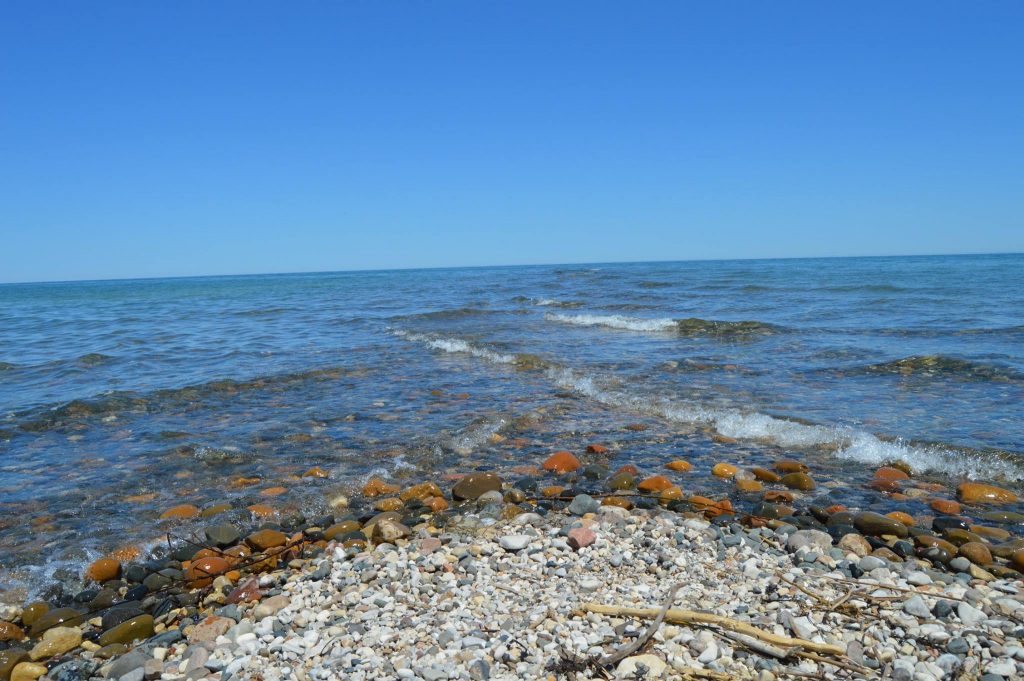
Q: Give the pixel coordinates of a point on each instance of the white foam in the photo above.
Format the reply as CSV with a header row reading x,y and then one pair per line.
x,y
850,443
615,321
458,346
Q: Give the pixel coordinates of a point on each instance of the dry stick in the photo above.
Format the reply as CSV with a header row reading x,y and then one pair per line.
x,y
636,645
693,617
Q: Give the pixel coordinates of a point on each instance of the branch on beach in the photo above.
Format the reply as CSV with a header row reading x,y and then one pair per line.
x,y
677,616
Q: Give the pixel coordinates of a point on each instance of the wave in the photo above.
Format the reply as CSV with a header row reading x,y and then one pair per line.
x,y
655,284
845,442
122,401
940,366
461,346
92,359
262,312
691,326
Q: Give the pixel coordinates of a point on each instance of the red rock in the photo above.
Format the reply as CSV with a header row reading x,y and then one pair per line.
x,y
977,493
246,592
581,537
655,483
202,570
561,462
628,468
889,473
597,449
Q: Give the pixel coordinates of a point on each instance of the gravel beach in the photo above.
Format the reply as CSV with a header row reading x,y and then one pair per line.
x,y
502,587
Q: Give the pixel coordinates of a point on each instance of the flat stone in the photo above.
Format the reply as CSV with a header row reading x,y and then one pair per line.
x,y
583,504
515,542
473,485
222,535
809,539
137,628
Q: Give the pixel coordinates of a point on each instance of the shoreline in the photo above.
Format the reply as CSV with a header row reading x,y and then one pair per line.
x,y
492,579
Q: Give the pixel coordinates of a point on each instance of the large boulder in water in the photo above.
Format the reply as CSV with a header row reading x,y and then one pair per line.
x,y
474,485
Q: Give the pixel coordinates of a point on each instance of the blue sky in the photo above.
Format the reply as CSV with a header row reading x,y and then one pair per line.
x,y
154,139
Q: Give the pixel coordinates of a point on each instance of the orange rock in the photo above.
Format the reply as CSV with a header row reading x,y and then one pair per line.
x,y
778,496
519,442
201,572
182,511
765,475
424,490
628,468
243,481
233,575
997,533
1017,560
724,470
552,491
679,466
723,439
273,491
561,462
889,473
748,485
266,539
597,449
435,504
103,570
621,502
945,506
834,508
11,632
126,554
637,427
883,485
389,504
977,553
315,472
261,510
140,498
904,518
655,483
378,488
240,552
790,466
977,493
668,494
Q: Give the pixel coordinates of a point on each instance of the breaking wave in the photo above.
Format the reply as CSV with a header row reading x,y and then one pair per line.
x,y
461,346
847,443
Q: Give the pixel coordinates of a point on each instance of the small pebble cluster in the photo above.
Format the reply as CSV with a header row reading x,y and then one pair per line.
x,y
502,585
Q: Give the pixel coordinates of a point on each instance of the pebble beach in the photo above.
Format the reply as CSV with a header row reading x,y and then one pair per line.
x,y
558,570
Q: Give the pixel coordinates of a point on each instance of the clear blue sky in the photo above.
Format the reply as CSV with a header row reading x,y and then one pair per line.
x,y
179,138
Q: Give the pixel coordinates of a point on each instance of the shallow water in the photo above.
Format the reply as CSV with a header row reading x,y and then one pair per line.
x,y
120,399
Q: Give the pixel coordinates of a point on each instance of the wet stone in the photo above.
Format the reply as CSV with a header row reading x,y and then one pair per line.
x,y
137,628
61,617
875,524
474,485
121,613
222,535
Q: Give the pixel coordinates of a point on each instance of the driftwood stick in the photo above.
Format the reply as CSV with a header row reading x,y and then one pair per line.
x,y
641,640
692,617
759,646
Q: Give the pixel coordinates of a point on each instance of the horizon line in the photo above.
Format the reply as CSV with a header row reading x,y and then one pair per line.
x,y
482,267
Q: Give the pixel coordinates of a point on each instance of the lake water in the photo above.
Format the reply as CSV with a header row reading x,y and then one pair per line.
x,y
119,399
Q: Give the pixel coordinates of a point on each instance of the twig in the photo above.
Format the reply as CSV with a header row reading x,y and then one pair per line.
x,y
693,617
641,640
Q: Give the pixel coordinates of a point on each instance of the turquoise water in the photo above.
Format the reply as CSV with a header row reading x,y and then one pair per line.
x,y
172,387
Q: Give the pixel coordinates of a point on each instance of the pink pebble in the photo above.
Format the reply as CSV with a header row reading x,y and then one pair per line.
x,y
580,537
